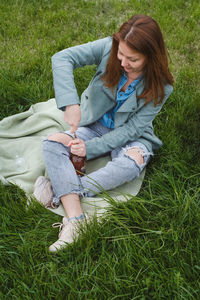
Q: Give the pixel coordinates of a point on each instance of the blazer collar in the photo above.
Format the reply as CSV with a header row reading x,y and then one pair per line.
x,y
131,102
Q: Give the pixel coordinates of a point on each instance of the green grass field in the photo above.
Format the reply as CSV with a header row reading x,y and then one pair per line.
x,y
147,248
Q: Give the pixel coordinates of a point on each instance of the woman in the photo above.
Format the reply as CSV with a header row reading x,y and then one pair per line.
x,y
131,84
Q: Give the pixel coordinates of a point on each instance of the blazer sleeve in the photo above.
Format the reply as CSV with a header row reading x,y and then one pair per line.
x,y
130,131
66,61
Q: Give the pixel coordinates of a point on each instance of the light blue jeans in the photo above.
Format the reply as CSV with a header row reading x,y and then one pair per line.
x,y
122,168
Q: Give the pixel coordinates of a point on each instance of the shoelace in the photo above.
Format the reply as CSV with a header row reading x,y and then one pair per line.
x,y
58,225
51,204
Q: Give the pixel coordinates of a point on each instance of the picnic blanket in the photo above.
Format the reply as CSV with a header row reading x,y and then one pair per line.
x,y
21,160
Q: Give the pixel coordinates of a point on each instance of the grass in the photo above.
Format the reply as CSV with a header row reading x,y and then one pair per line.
x,y
147,248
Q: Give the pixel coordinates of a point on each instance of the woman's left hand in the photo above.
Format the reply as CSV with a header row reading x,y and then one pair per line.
x,y
77,147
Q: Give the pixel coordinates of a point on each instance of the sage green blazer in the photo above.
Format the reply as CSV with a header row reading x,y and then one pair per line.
x,y
133,120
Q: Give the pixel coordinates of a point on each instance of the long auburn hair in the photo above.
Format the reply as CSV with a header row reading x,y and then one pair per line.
x,y
142,34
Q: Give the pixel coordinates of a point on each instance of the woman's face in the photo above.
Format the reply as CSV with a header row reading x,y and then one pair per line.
x,y
133,62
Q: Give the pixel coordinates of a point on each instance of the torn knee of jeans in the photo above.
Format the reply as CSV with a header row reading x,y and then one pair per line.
x,y
60,137
136,154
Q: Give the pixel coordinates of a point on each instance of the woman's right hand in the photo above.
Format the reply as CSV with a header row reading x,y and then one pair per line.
x,y
77,147
72,116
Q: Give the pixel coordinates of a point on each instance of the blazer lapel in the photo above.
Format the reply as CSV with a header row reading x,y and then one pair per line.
x,y
131,103
111,94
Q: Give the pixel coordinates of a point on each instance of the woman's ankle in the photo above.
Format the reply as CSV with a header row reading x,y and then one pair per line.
x,y
71,205
80,217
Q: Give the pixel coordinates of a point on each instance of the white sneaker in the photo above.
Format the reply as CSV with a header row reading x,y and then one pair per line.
x,y
68,232
43,192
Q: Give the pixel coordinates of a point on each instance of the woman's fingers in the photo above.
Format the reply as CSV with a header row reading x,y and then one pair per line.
x,y
75,142
73,128
72,116
77,147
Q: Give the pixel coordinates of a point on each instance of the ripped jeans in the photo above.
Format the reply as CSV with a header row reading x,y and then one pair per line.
x,y
122,168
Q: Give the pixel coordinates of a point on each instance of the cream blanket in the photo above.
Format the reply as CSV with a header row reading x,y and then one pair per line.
x,y
21,160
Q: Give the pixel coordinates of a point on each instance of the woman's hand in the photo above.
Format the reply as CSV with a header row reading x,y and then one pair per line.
x,y
72,116
77,147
